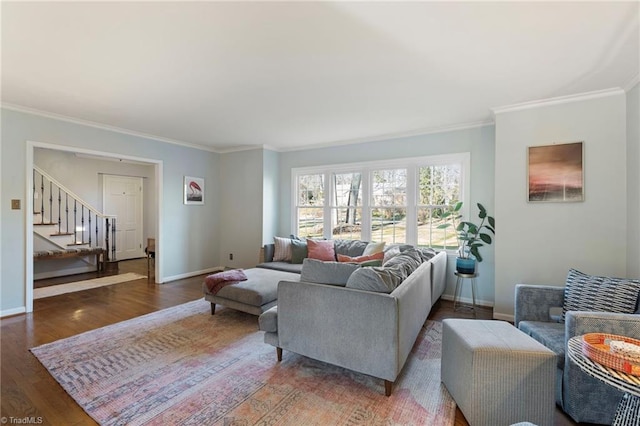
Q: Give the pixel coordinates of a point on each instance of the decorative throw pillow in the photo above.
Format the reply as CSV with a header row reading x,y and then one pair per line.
x,y
349,247
426,253
282,250
408,260
381,280
360,259
298,251
584,292
373,248
321,249
390,251
334,273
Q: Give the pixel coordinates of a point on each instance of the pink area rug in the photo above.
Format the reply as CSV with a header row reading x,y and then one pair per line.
x,y
184,366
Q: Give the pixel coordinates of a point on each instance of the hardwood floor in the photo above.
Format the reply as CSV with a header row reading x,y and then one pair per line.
x,y
28,390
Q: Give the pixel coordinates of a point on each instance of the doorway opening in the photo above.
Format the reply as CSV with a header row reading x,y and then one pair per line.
x,y
149,200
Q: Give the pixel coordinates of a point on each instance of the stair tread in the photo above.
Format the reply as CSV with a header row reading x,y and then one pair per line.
x,y
44,223
57,234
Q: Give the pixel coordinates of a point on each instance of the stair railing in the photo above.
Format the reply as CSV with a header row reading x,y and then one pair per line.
x,y
60,206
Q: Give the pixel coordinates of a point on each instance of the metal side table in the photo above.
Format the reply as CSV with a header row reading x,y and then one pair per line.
x,y
459,282
628,412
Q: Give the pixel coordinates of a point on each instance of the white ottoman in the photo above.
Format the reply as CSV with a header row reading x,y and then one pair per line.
x,y
497,374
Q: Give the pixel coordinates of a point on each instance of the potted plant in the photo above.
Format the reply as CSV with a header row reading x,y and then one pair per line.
x,y
471,236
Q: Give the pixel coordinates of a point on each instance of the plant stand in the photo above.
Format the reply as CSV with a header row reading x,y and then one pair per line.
x,y
459,282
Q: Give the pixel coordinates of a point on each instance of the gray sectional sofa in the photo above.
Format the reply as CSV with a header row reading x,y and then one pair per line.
x,y
368,326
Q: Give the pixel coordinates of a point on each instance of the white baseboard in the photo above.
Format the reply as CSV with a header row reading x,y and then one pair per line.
x,y
14,311
469,301
192,274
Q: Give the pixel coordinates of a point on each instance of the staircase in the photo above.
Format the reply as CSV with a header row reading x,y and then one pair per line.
x,y
64,225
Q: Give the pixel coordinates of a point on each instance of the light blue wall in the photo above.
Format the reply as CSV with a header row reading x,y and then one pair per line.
x,y
633,181
190,232
478,141
240,203
270,190
538,243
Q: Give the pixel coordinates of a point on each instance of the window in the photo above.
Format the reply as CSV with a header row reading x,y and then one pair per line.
x,y
439,188
389,205
346,208
398,201
310,205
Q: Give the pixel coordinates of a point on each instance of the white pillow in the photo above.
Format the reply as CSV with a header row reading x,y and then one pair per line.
x,y
373,248
282,251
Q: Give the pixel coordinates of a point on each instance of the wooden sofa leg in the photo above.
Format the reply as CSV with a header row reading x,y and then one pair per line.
x,y
279,354
213,309
387,388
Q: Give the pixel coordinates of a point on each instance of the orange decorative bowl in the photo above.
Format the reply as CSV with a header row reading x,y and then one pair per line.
x,y
596,346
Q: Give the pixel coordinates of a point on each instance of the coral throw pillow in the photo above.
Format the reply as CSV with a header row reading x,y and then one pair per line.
x,y
360,259
321,250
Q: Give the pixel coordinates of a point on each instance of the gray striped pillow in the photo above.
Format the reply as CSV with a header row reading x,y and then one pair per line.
x,y
584,292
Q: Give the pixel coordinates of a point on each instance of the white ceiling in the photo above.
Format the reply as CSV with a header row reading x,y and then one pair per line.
x,y
227,75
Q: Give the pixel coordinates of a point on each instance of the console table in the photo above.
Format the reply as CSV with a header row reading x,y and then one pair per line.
x,y
628,412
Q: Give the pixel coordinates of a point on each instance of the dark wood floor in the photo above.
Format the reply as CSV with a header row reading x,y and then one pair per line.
x,y
27,389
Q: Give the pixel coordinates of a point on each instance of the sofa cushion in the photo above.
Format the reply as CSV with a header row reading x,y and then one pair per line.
x,y
323,272
281,266
408,260
550,334
426,253
349,247
584,292
360,259
378,279
299,251
282,250
321,249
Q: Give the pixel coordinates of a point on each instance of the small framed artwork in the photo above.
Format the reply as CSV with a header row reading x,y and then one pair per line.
x,y
193,190
556,173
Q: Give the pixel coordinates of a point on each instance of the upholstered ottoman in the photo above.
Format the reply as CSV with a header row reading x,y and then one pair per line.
x,y
255,295
497,374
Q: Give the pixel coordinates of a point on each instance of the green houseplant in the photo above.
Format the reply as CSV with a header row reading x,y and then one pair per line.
x,y
471,236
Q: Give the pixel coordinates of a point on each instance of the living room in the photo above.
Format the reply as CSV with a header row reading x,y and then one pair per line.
x,y
248,186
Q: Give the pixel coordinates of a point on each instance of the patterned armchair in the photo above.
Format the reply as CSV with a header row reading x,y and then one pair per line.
x,y
538,312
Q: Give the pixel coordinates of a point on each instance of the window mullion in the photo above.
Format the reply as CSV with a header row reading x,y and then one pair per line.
x,y
327,230
367,197
412,212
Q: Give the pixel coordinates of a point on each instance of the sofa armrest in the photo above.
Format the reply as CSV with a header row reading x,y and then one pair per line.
x,y
578,323
533,302
267,253
350,328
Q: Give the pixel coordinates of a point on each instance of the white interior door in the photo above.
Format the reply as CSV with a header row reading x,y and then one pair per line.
x,y
122,197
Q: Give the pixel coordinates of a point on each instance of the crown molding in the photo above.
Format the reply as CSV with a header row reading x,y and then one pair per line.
x,y
398,135
632,83
56,116
557,101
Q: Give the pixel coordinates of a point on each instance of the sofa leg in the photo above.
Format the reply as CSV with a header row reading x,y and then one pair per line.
x,y
279,354
387,388
213,309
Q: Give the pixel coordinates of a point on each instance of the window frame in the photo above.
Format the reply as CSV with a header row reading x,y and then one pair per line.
x,y
366,169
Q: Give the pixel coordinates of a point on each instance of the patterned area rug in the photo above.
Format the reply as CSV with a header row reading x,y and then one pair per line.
x,y
184,366
55,290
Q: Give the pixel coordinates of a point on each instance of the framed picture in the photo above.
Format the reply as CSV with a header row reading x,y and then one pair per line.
x,y
556,173
193,190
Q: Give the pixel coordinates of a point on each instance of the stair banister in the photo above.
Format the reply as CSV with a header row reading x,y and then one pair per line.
x,y
109,221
